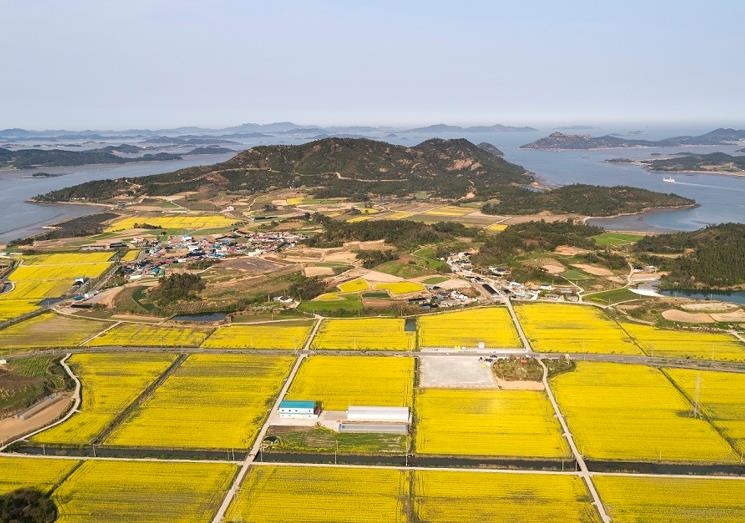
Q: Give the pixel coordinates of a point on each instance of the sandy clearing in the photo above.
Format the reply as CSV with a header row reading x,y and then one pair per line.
x,y
380,277
687,317
595,270
738,315
553,268
519,385
454,283
547,217
568,250
13,427
710,306
311,272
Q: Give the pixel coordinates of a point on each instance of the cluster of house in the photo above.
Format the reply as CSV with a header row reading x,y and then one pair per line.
x,y
441,298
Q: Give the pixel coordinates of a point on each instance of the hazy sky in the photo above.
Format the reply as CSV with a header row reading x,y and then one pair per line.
x,y
154,63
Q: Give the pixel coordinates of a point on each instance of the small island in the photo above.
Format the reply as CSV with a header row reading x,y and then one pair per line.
x,y
558,140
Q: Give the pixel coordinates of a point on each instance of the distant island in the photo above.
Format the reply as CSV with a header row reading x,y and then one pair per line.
x,y
443,128
707,163
112,154
362,169
558,140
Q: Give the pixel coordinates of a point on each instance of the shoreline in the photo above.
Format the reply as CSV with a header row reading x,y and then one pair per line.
x,y
644,211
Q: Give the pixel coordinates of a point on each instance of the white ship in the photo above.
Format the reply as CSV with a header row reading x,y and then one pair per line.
x,y
669,179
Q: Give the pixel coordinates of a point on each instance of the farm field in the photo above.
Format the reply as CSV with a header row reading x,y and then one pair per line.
x,y
270,336
110,382
721,397
143,491
185,221
686,344
39,473
491,496
341,381
356,285
493,326
364,334
323,440
616,239
51,275
14,308
283,493
400,287
573,329
130,256
660,500
48,330
449,210
632,412
140,335
514,423
210,401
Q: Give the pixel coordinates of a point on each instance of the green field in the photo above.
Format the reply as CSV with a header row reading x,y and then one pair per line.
x,y
616,239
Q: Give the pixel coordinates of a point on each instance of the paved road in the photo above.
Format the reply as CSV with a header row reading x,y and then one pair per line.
x,y
251,457
584,471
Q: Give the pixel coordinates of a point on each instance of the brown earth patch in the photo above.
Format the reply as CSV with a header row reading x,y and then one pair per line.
x,y
687,317
738,315
595,270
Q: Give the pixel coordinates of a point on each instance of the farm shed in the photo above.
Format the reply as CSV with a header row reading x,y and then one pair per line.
x,y
298,409
379,414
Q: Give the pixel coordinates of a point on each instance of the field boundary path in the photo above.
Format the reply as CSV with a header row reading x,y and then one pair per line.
x,y
73,409
518,326
256,448
584,471
145,394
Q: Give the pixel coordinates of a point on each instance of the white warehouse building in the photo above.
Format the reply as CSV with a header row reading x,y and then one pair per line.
x,y
379,414
298,409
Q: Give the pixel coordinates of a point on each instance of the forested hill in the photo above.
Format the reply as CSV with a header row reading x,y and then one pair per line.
x,y
700,162
708,258
721,136
27,158
330,167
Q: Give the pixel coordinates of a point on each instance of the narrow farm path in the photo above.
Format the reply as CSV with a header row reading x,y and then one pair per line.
x,y
518,326
584,471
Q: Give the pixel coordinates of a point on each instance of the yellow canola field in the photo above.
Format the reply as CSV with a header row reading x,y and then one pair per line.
x,y
15,308
400,287
183,221
270,336
39,473
210,401
356,285
110,383
341,381
449,210
514,423
554,327
51,275
134,491
143,335
497,227
661,500
684,344
632,412
493,496
49,330
721,397
130,256
364,334
493,326
290,494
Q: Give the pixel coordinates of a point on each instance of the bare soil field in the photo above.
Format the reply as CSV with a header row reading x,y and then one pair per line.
x,y
568,250
519,384
687,317
710,306
593,269
14,427
738,315
313,271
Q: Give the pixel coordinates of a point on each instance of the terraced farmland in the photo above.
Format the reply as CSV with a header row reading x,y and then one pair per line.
x,y
364,334
514,423
142,335
686,344
48,330
356,285
573,329
39,473
489,496
661,500
181,222
110,383
210,401
721,398
14,308
131,491
269,336
492,326
321,494
631,412
341,381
